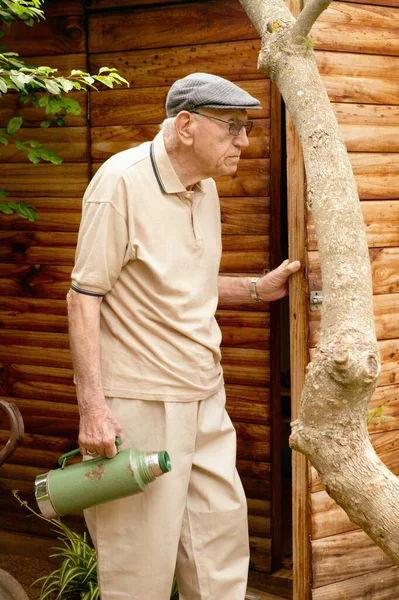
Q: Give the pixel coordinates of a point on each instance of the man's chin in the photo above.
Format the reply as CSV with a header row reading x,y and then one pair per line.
x,y
228,170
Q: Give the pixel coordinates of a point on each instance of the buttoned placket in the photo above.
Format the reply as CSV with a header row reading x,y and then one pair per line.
x,y
192,199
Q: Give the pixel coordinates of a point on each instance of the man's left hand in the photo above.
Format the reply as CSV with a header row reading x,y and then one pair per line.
x,y
274,285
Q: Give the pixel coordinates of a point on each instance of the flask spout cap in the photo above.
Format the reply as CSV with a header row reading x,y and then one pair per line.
x,y
164,461
158,463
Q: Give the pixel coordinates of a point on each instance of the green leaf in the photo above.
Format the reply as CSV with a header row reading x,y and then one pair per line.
x,y
49,156
106,81
13,125
3,86
22,211
31,214
21,80
72,106
3,140
34,157
52,86
46,123
20,145
116,77
66,85
6,209
43,101
34,143
45,71
20,208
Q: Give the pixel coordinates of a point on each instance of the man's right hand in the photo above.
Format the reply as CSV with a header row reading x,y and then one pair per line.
x,y
97,432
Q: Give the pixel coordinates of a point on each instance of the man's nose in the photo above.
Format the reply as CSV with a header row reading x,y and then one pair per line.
x,y
241,139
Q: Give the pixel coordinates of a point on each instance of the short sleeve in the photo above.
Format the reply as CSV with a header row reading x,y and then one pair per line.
x,y
102,249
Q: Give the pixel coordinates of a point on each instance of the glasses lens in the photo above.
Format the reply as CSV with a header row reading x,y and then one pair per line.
x,y
236,127
248,127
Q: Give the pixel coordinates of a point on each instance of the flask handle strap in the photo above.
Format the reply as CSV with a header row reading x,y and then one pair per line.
x,y
63,459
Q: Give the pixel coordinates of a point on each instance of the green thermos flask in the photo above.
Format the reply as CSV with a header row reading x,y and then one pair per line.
x,y
79,486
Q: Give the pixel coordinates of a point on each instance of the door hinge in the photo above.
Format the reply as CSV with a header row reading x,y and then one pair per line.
x,y
316,300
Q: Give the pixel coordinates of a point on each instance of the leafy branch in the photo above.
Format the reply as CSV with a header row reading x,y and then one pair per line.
x,y
23,10
34,149
44,88
17,75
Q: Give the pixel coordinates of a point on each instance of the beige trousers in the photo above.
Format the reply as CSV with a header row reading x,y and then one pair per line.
x,y
192,521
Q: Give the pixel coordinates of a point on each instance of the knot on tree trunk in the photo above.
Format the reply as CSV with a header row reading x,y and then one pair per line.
x,y
353,358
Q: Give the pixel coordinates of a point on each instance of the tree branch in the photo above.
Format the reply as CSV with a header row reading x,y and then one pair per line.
x,y
308,16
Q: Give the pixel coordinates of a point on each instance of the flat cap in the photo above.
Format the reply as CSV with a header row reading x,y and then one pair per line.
x,y
206,90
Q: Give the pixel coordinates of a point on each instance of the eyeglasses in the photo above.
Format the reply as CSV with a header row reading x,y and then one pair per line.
x,y
235,125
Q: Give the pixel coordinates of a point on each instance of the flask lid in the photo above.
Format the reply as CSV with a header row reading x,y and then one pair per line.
x,y
164,461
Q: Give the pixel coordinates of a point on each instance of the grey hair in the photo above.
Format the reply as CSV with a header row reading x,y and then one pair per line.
x,y
169,132
168,126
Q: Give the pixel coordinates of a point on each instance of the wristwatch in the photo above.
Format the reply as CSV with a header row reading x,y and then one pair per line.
x,y
252,289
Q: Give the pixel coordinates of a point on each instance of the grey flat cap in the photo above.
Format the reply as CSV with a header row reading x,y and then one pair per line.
x,y
203,89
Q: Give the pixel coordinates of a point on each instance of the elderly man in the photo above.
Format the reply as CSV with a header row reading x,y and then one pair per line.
x,y
146,349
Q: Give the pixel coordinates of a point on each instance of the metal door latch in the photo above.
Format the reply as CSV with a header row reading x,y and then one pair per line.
x,y
316,300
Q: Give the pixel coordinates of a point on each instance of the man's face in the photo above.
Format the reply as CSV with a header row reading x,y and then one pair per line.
x,y
217,152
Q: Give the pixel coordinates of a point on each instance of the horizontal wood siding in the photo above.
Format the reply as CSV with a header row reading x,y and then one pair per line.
x,y
35,266
358,57
36,259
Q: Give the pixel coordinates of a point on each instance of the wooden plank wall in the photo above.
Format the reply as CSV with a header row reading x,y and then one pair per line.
x,y
35,264
152,46
358,57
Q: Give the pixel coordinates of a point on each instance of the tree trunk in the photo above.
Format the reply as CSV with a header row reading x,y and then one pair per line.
x,y
331,429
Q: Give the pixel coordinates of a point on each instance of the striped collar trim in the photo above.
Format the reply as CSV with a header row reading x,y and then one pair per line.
x,y
163,169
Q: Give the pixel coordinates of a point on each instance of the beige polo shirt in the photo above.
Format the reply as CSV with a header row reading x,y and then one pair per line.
x,y
152,250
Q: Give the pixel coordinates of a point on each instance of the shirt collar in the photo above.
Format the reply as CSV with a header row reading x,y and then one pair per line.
x,y
163,169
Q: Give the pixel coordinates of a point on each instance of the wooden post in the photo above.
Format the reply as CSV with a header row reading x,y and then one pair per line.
x,y
301,515
275,328
299,360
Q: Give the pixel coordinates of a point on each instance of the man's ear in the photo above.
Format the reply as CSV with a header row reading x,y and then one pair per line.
x,y
184,127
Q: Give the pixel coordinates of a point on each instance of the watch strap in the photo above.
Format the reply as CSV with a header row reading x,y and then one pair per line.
x,y
252,289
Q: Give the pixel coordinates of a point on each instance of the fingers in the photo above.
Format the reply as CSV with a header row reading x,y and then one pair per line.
x,y
98,433
110,449
294,266
106,448
290,267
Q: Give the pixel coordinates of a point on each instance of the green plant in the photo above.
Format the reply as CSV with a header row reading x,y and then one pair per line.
x,y
76,577
174,594
44,89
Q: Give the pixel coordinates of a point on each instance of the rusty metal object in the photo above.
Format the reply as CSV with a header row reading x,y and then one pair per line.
x,y
10,589
16,427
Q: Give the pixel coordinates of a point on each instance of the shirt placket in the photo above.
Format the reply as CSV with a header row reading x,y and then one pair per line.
x,y
192,200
